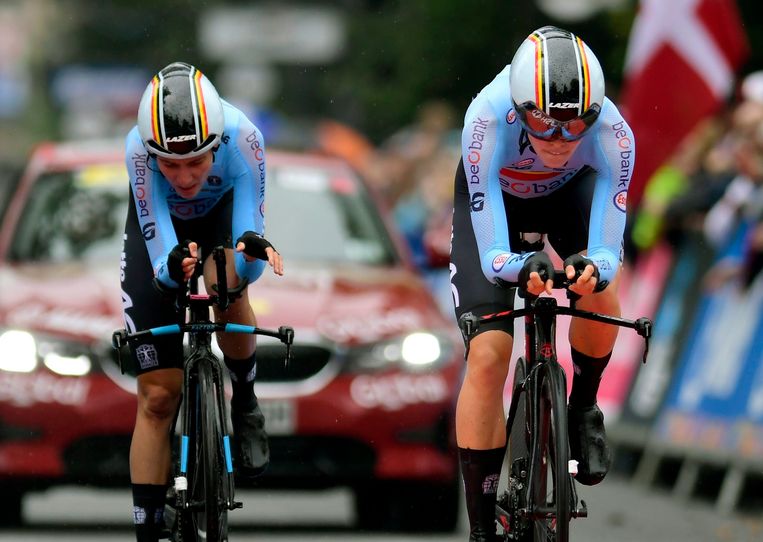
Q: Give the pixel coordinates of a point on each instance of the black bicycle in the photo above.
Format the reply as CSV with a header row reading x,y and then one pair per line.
x,y
541,498
204,488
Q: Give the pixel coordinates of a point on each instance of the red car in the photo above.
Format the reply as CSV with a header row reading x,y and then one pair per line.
x,y
367,402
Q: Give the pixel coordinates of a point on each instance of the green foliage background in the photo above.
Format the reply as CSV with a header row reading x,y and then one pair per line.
x,y
400,53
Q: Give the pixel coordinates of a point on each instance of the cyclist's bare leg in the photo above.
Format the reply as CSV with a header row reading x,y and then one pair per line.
x,y
596,339
158,399
150,458
480,428
592,344
480,422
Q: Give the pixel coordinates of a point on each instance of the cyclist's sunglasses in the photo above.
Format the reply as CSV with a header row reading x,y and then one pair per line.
x,y
540,125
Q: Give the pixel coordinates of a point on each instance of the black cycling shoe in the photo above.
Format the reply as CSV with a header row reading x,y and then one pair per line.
x,y
250,440
588,444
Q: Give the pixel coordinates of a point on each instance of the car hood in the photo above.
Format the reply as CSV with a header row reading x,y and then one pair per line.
x,y
348,305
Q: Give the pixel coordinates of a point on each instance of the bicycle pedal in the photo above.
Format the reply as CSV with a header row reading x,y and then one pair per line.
x,y
581,512
236,504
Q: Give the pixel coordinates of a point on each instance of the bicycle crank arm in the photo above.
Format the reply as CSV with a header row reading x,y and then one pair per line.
x,y
235,504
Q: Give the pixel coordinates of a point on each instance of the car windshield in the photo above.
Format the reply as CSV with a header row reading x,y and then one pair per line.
x,y
312,215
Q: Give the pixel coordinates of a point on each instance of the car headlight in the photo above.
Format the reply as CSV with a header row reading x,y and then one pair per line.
x,y
417,351
18,351
21,352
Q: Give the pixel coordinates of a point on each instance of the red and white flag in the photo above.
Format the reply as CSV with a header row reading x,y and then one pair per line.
x,y
680,67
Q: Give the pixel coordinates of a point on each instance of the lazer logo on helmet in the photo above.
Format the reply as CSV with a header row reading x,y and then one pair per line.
x,y
563,105
180,138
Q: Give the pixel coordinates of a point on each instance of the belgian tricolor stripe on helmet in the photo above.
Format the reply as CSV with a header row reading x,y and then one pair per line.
x,y
560,60
201,110
539,74
169,129
585,80
156,110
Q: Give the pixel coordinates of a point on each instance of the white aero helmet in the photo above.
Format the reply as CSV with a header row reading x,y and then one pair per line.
x,y
557,84
180,114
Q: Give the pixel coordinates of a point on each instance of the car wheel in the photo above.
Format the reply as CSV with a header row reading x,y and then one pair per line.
x,y
11,507
406,506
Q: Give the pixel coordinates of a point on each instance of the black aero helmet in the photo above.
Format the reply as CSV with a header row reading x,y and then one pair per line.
x,y
180,114
557,84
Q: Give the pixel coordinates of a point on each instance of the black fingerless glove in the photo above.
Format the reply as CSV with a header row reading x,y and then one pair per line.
x,y
539,262
255,245
580,263
175,261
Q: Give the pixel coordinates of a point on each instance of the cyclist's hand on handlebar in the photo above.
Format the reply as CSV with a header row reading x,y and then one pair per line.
x,y
256,247
582,274
181,261
537,274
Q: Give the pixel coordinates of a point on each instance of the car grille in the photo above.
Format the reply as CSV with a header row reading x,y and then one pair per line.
x,y
306,361
303,462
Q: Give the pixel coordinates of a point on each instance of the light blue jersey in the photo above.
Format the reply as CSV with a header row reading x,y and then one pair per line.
x,y
239,164
498,158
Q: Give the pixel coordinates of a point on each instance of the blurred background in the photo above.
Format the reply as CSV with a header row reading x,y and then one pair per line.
x,y
384,84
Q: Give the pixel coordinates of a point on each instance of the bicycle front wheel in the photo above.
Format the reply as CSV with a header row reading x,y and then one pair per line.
x,y
210,511
550,499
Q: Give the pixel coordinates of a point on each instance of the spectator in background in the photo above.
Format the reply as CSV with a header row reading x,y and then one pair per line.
x,y
687,183
682,192
742,201
420,159
410,169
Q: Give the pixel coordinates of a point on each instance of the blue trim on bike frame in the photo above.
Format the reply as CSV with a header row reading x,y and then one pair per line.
x,y
165,330
239,328
228,459
183,454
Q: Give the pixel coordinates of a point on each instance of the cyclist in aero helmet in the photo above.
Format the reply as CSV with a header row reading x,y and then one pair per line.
x,y
180,114
543,151
197,180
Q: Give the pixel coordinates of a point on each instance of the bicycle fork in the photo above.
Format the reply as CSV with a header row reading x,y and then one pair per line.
x,y
514,510
191,416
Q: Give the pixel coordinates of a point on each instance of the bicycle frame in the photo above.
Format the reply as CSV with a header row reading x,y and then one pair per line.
x,y
540,352
201,352
200,329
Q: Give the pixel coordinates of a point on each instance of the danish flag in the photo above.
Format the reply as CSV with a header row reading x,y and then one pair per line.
x,y
680,67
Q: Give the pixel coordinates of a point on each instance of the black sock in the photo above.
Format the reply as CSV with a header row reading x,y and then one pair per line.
x,y
242,372
481,470
148,511
585,383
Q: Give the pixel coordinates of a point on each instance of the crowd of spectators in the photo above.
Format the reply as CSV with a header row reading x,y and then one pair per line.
x,y
412,171
713,187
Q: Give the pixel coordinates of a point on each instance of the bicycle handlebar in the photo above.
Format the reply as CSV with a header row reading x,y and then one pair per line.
x,y
561,282
187,296
121,337
187,293
469,322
